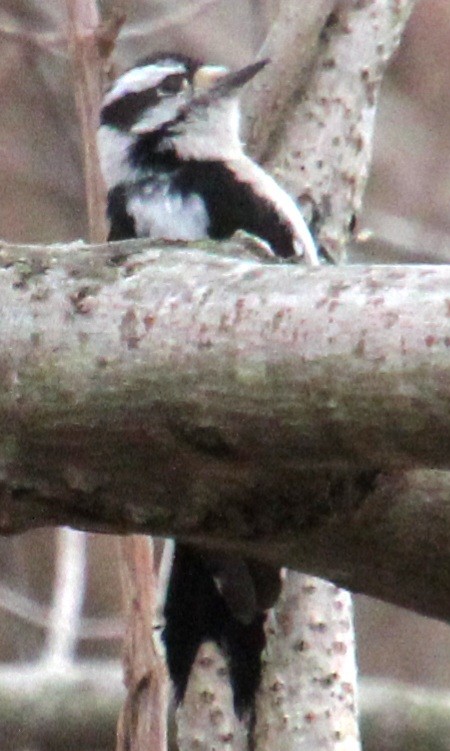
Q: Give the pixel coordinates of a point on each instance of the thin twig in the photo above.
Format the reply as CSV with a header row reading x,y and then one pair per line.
x,y
53,42
56,42
32,612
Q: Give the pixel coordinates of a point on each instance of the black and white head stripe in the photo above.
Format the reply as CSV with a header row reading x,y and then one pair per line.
x,y
189,64
141,88
187,82
137,80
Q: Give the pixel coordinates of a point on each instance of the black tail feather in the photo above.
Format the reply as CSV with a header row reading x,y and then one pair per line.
x,y
196,612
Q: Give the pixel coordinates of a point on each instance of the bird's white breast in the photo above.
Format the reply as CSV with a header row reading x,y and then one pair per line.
x,y
160,214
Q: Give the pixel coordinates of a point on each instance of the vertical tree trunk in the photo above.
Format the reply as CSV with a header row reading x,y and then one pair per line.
x,y
308,697
143,721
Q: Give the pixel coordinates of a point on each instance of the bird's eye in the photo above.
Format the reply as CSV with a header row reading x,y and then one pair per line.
x,y
172,84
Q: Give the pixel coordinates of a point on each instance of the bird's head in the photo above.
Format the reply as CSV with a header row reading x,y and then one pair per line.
x,y
176,102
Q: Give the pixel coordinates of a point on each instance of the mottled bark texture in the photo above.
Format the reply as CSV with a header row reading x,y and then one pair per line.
x,y
206,719
314,130
266,397
291,45
309,681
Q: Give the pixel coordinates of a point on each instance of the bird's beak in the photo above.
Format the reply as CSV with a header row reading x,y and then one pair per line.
x,y
219,81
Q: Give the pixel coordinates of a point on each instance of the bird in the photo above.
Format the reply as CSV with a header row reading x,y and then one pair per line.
x,y
175,169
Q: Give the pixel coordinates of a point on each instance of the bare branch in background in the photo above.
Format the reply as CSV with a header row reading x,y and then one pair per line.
x,y
143,719
53,42
68,596
107,32
163,570
24,607
83,23
114,16
33,612
21,29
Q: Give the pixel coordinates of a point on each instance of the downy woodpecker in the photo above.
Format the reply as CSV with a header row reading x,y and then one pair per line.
x,y
175,169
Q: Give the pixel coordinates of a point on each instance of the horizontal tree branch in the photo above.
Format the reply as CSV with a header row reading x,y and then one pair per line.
x,y
258,408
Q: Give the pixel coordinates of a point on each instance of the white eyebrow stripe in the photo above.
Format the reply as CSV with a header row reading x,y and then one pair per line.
x,y
140,79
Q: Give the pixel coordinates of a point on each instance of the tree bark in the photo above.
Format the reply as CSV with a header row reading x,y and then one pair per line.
x,y
143,719
290,410
320,148
291,45
309,681
343,368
